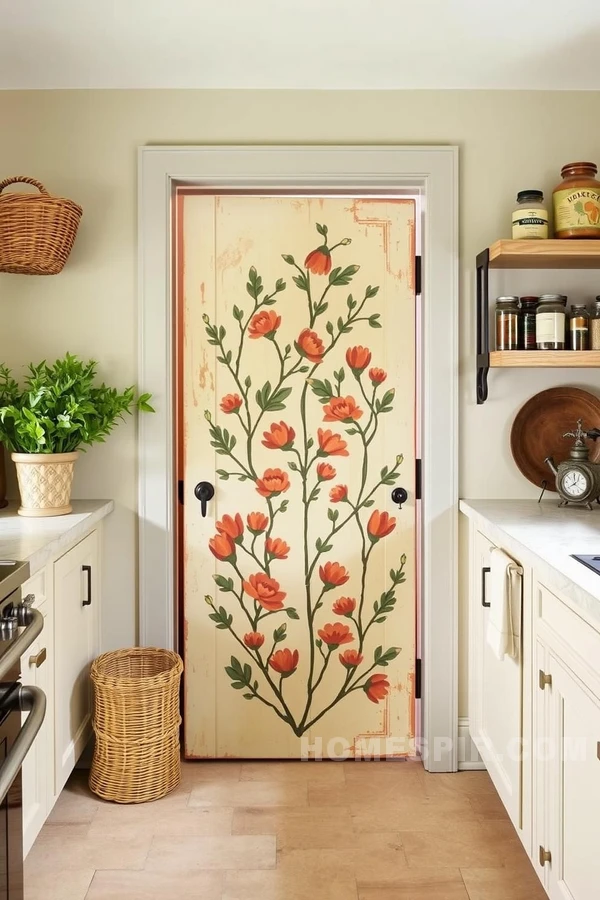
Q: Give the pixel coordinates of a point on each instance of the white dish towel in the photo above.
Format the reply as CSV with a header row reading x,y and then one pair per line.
x,y
504,595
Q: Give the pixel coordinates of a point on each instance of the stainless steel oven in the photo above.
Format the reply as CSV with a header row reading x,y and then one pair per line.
x,y
20,624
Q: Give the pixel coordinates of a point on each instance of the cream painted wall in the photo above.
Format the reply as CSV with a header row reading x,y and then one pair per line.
x,y
83,144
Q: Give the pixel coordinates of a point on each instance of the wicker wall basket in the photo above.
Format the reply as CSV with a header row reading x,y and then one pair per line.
x,y
136,722
37,231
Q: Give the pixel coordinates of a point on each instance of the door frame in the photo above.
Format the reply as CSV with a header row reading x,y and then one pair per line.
x,y
433,173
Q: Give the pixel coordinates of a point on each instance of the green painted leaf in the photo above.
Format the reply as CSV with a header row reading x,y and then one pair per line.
x,y
339,277
371,291
300,281
280,633
225,584
280,285
238,313
248,696
322,229
288,259
291,612
351,302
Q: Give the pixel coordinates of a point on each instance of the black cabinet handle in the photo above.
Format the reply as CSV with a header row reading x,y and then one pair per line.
x,y
484,572
88,572
204,492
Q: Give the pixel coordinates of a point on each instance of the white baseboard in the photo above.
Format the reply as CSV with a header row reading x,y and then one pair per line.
x,y
468,757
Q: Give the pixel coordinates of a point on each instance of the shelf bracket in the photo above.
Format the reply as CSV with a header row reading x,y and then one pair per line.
x,y
483,325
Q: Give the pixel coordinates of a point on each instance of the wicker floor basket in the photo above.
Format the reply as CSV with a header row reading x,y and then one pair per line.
x,y
37,231
136,722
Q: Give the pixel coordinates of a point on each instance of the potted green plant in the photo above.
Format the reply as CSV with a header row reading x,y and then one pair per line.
x,y
59,410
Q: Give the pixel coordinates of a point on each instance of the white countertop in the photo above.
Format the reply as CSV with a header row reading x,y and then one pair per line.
x,y
545,535
39,540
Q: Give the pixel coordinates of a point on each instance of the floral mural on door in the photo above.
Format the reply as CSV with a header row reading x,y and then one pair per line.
x,y
329,363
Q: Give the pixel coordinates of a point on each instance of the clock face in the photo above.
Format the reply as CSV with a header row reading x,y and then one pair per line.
x,y
575,483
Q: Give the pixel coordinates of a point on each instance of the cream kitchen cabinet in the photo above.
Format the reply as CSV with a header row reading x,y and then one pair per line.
x,y
76,643
37,668
552,707
567,753
67,592
495,689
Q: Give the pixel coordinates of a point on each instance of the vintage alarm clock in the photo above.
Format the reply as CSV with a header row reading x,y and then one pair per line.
x,y
577,479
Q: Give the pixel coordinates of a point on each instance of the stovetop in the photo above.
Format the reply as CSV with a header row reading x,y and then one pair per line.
x,y
590,560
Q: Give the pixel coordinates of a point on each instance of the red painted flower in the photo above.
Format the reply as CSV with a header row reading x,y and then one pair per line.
x,y
284,661
265,591
254,640
257,522
279,437
358,358
277,548
338,493
264,324
376,687
310,345
345,606
233,528
380,525
342,409
351,658
333,574
231,403
319,261
222,546
331,444
377,376
325,472
273,482
336,634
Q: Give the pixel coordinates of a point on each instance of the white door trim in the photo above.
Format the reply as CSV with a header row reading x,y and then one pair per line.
x,y
433,172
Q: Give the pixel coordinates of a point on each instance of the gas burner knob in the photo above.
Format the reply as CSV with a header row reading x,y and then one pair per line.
x,y
8,626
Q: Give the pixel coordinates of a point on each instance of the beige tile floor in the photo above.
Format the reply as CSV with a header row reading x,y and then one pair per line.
x,y
286,831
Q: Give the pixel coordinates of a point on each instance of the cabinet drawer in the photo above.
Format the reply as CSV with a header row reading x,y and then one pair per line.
x,y
36,585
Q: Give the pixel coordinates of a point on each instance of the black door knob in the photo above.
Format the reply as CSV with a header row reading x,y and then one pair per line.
x,y
399,496
204,492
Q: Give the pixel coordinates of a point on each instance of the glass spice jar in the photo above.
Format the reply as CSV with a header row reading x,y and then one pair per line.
x,y
579,328
550,322
577,202
507,323
528,308
530,217
595,327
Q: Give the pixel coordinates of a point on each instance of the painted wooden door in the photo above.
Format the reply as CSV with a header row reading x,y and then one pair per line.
x,y
299,407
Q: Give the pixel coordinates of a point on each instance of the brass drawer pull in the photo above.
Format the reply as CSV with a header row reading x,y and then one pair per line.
x,y
38,659
545,680
545,856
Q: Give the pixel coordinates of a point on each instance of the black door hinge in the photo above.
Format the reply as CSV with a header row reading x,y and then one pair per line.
x,y
180,491
417,679
417,275
418,481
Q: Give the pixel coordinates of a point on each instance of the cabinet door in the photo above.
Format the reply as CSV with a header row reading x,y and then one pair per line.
x,y
38,766
495,700
573,786
76,629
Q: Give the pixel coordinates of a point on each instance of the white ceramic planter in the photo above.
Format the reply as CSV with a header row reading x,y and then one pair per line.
x,y
45,481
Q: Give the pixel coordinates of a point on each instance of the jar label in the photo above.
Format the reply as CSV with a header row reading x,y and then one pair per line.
x,y
550,328
529,223
577,208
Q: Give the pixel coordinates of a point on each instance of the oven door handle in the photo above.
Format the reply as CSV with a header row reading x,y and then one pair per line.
x,y
25,698
21,643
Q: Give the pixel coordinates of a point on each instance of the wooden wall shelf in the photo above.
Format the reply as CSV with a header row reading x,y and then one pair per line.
x,y
550,254
538,359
